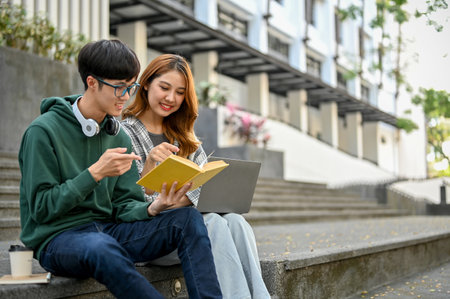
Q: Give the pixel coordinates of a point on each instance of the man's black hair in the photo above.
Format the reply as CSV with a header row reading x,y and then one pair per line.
x,y
108,59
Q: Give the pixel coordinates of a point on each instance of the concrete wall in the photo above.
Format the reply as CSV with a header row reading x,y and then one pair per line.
x,y
24,80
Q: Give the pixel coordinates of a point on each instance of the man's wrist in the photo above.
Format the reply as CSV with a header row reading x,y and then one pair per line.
x,y
96,176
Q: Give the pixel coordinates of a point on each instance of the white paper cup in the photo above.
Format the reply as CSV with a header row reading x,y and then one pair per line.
x,y
21,259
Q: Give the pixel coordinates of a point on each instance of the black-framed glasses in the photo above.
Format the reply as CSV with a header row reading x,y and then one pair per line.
x,y
120,90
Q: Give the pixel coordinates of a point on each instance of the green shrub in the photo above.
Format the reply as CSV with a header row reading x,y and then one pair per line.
x,y
37,35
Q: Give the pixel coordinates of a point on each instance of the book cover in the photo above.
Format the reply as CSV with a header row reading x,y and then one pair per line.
x,y
181,170
33,278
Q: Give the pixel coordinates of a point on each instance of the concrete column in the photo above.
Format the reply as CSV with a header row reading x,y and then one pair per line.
x,y
52,12
206,12
203,67
135,36
29,6
63,16
74,22
258,93
298,110
104,19
329,122
371,134
95,22
40,7
355,134
85,18
257,29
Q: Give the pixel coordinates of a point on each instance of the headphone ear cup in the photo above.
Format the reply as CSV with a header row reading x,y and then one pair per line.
x,y
112,126
90,127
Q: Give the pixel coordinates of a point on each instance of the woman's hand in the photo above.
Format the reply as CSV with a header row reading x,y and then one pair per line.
x,y
174,199
160,152
157,154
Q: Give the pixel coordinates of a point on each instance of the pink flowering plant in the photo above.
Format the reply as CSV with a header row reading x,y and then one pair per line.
x,y
247,127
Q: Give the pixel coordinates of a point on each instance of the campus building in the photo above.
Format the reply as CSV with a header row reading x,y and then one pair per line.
x,y
286,60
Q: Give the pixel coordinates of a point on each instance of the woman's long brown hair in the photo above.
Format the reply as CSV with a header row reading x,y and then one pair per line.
x,y
180,124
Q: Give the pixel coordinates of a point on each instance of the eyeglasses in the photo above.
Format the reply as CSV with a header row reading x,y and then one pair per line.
x,y
120,90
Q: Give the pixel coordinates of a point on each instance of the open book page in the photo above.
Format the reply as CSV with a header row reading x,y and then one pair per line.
x,y
181,170
209,171
169,171
34,278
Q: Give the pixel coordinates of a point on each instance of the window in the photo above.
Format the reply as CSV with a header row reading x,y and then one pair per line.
x,y
232,23
361,36
278,46
337,27
365,92
313,66
310,6
341,80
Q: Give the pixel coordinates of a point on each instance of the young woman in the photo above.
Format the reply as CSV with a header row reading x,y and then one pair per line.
x,y
160,121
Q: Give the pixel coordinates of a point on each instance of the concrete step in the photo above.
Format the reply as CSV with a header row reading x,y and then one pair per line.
x,y
9,228
301,206
302,191
9,193
302,197
165,279
9,177
433,282
287,183
9,208
281,217
340,259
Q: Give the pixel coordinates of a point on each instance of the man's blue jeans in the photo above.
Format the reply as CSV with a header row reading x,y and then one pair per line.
x,y
108,251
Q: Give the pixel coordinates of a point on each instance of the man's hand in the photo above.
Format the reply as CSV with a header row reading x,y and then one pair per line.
x,y
113,162
175,199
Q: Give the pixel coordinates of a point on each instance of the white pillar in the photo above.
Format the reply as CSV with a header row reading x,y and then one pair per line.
x,y
85,18
95,22
258,93
63,16
257,29
74,21
135,36
355,133
371,134
104,19
329,122
298,110
206,12
203,66
40,7
29,6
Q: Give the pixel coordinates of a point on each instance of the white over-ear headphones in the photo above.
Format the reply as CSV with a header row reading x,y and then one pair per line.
x,y
90,127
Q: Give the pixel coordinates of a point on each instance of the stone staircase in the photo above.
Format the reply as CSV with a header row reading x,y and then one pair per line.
x,y
9,196
313,242
277,201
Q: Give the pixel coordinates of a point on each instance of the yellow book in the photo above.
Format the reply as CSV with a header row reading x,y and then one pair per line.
x,y
181,170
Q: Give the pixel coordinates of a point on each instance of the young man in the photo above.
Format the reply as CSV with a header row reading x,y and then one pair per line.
x,y
81,210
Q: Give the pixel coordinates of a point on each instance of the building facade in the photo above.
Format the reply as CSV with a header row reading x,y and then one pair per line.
x,y
288,60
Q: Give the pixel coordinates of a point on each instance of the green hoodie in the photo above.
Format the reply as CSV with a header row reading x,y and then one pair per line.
x,y
57,192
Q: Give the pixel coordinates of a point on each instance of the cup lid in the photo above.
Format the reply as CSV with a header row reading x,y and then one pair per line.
x,y
19,248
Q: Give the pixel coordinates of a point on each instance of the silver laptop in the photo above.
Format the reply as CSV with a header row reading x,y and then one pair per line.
x,y
232,189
